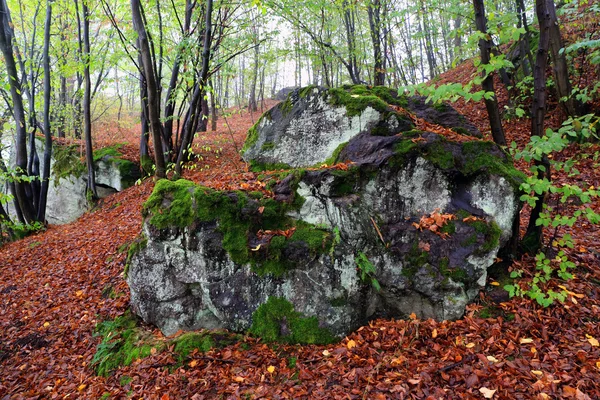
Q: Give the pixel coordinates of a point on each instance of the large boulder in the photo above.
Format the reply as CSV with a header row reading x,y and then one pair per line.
x,y
307,128
67,192
410,226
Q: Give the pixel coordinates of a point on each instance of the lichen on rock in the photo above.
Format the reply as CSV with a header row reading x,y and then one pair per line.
x,y
247,261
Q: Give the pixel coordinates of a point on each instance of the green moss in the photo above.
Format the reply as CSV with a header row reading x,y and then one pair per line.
x,y
67,162
491,233
356,103
304,92
122,343
336,154
236,221
460,130
135,247
441,107
267,146
110,151
439,155
449,228
277,321
318,240
414,260
456,274
477,155
345,181
147,164
251,136
179,211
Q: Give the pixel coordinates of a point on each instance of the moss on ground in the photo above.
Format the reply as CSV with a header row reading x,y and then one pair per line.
x,y
123,342
277,321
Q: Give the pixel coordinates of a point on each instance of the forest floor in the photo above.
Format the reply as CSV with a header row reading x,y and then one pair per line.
x,y
55,286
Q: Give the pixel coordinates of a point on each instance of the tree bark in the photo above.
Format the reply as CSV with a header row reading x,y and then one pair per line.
x,y
374,12
491,104
151,85
87,114
24,203
43,195
533,236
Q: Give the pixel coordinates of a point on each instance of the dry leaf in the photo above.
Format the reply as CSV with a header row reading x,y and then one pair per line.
x,y
593,341
492,359
494,283
351,344
487,393
81,387
536,372
271,369
434,333
525,340
470,345
257,248
193,363
239,379
326,353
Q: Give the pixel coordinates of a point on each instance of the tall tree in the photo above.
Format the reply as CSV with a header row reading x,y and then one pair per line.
x,y
152,88
491,102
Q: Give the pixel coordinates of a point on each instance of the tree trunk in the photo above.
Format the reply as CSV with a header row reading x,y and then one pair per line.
x,y
564,89
153,100
491,105
25,205
374,11
43,195
87,114
533,236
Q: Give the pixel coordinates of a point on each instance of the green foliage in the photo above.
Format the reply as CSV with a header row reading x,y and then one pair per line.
x,y
357,98
367,270
534,188
277,321
122,343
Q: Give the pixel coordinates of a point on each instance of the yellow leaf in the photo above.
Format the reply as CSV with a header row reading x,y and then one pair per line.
x,y
470,345
525,340
271,369
536,372
326,353
494,283
46,324
351,344
257,248
81,387
79,293
598,364
239,379
434,333
487,393
533,350
413,316
193,363
492,359
593,341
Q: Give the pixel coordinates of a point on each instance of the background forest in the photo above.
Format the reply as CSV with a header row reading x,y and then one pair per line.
x,y
178,83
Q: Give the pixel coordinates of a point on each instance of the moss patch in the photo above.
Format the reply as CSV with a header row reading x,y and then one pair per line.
x,y
277,321
67,162
336,154
182,204
414,260
135,247
251,136
478,155
122,343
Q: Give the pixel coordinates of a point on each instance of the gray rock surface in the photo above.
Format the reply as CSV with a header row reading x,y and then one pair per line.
x,y
67,199
364,244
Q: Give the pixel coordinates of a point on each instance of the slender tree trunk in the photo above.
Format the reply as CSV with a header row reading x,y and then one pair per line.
x,y
24,204
87,114
43,196
533,235
153,100
488,82
374,11
571,105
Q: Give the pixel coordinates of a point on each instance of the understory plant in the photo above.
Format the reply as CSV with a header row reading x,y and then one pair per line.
x,y
552,258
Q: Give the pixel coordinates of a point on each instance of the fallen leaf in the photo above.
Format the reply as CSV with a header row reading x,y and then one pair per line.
x,y
271,369
487,393
239,379
434,333
494,283
414,381
193,363
351,344
492,359
46,324
81,387
326,353
525,340
470,345
593,341
257,248
536,372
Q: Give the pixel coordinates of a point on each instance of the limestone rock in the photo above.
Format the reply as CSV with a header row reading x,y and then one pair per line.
x,y
341,246
308,127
